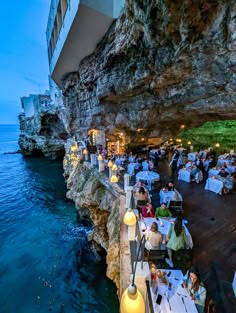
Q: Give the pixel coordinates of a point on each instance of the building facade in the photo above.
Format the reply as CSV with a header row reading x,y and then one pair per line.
x,y
74,29
36,103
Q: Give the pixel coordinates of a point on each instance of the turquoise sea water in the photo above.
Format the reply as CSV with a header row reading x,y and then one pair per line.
x,y
43,267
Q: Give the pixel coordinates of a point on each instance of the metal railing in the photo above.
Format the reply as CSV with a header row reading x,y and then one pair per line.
x,y
148,301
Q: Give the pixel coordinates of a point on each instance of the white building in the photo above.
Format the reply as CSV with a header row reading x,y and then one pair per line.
x,y
74,29
27,104
34,103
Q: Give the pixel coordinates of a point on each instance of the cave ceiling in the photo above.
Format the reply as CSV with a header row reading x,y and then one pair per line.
x,y
162,64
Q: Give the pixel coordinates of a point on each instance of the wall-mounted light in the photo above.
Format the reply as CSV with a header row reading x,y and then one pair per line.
x,y
182,126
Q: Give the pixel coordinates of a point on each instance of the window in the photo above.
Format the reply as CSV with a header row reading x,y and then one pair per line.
x,y
64,6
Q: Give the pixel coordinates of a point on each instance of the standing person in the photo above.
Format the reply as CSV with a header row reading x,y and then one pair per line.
x,y
196,288
176,239
173,163
141,198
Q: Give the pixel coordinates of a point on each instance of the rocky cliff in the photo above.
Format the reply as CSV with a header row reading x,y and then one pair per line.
x,y
43,134
99,203
163,63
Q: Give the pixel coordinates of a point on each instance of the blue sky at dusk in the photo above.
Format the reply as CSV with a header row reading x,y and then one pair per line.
x,y
23,54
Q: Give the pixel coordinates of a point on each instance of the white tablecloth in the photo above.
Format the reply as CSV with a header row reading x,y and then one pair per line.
x,y
184,175
130,168
221,162
213,172
148,176
163,227
206,164
214,185
203,154
192,156
230,169
175,299
167,196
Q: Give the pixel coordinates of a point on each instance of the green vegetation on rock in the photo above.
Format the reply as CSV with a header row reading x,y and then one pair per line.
x,y
210,133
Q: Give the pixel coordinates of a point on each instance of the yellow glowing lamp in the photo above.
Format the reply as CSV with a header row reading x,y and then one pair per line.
x,y
129,218
85,151
74,147
110,163
132,301
217,145
100,158
114,167
189,142
114,179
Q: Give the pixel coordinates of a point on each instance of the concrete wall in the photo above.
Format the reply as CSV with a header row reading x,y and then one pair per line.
x,y
28,105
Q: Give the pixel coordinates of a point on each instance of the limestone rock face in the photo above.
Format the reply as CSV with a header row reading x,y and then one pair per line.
x,y
98,203
43,134
161,64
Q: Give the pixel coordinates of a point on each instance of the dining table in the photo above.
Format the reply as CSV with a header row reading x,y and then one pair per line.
x,y
213,172
192,156
167,196
184,174
222,161
214,184
164,225
148,176
169,296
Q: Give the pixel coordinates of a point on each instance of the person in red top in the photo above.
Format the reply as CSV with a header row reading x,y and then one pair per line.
x,y
147,210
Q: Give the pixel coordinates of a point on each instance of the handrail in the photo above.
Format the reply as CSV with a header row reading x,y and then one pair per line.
x,y
149,298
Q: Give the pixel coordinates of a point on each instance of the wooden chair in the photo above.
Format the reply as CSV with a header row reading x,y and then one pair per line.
x,y
156,254
175,207
210,306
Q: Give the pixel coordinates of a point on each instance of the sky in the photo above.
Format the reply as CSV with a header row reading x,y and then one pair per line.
x,y
23,54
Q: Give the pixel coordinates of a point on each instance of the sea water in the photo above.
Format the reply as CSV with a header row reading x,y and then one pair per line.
x,y
43,267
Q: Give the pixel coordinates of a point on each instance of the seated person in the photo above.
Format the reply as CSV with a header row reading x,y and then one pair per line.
x,y
196,288
153,237
138,185
223,173
145,165
147,210
163,211
141,198
170,186
189,164
176,239
194,171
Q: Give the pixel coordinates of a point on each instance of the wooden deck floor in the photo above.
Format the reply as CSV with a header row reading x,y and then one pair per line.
x,y
212,223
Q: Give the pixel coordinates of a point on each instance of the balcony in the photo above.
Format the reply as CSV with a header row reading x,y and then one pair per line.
x,y
74,29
